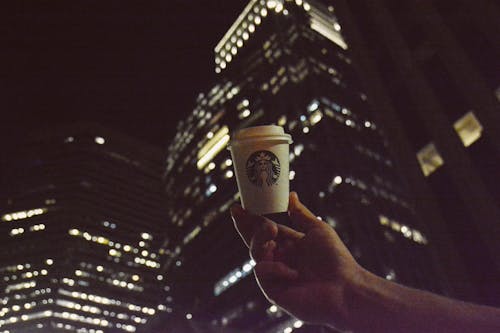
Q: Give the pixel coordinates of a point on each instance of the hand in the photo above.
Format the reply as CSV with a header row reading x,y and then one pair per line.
x,y
307,271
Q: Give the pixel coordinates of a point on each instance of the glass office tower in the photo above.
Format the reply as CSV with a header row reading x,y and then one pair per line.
x,y
285,63
83,233
432,69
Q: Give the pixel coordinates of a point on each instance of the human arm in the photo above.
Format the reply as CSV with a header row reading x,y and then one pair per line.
x,y
310,273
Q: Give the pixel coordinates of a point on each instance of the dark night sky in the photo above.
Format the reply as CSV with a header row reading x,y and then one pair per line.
x,y
136,66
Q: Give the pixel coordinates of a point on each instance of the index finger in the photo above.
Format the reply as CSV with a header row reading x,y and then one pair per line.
x,y
246,223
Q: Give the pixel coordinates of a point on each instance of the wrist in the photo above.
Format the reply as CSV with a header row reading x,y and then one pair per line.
x,y
347,296
359,301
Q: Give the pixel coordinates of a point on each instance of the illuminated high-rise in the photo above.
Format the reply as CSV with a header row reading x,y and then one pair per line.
x,y
285,63
82,231
431,68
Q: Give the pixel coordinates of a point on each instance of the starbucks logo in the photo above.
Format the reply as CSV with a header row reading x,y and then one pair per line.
x,y
263,168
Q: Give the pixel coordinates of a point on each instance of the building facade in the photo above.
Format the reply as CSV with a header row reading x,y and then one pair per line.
x,y
431,69
285,63
83,233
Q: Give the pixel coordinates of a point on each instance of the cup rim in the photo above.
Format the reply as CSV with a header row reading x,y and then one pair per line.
x,y
287,138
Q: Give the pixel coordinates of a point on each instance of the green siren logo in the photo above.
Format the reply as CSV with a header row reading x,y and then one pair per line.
x,y
263,168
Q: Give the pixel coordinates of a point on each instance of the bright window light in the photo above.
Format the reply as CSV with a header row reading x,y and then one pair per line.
x,y
468,128
24,214
213,147
429,158
146,236
99,140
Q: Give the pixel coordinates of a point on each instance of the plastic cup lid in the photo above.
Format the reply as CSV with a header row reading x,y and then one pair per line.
x,y
272,132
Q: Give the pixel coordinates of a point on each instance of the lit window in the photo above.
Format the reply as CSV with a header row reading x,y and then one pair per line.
x,y
233,277
211,189
271,4
245,113
313,106
406,231
146,236
298,149
37,227
395,226
391,275
315,117
17,231
213,147
99,140
383,220
282,120
468,128
23,214
429,159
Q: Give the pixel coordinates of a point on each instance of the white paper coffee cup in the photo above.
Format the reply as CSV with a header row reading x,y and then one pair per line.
x,y
261,162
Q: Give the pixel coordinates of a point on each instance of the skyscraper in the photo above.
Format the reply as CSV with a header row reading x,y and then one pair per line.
x,y
82,232
286,63
431,68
